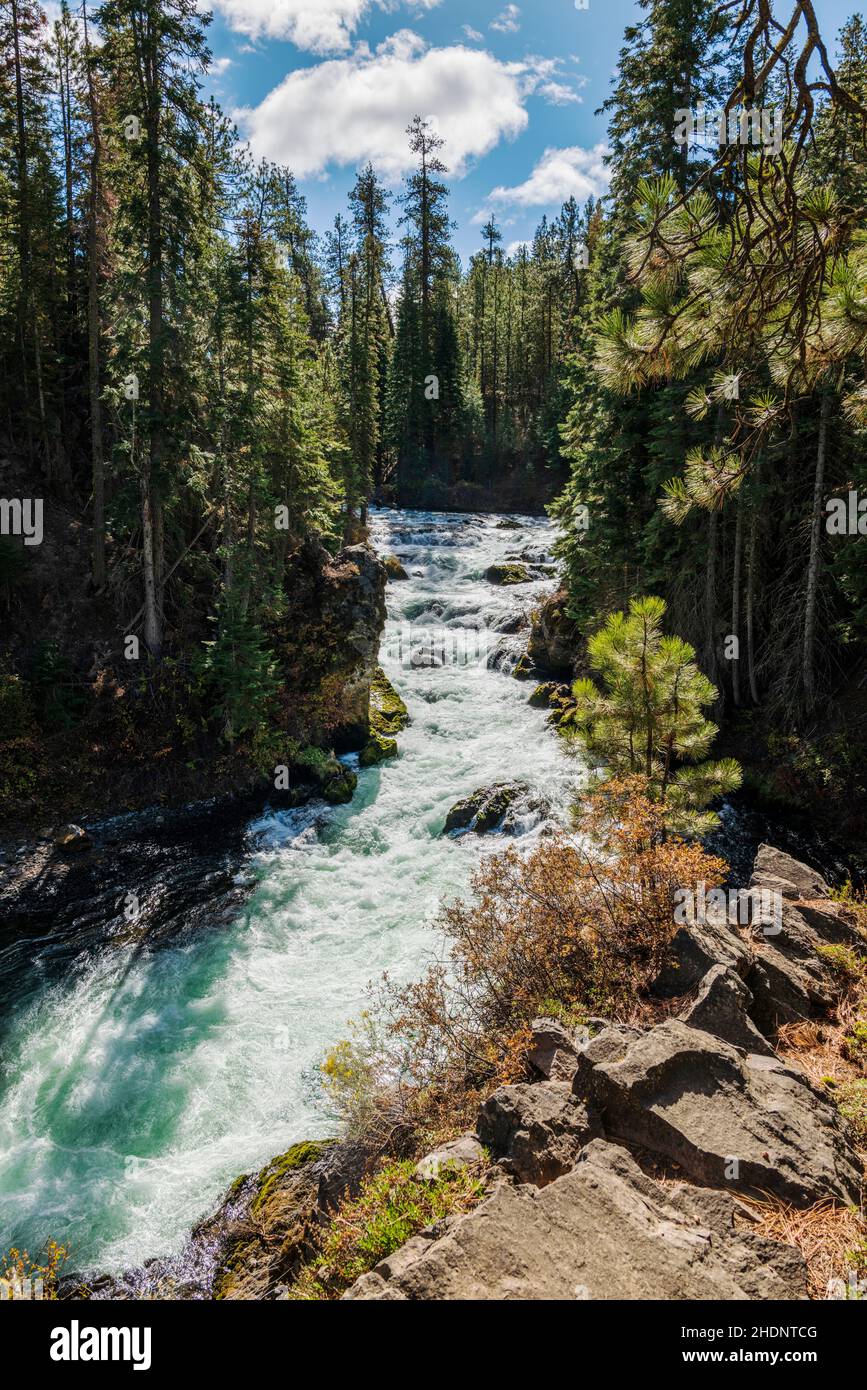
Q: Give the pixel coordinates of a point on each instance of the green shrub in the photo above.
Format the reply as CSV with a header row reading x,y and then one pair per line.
x,y
392,1206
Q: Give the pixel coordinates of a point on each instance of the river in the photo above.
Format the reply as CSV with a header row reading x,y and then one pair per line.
x,y
140,1076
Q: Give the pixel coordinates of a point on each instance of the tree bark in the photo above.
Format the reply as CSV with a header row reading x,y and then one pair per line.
x,y
814,565
93,321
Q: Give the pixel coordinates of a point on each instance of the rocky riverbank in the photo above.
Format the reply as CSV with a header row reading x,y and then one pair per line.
x,y
125,753
633,1162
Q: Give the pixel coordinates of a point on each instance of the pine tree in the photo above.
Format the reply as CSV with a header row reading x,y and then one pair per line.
x,y
648,721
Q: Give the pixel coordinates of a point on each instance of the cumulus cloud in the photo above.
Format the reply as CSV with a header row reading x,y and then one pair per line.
x,y
348,110
559,174
318,26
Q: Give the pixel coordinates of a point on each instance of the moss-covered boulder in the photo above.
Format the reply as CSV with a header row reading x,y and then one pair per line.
x,y
377,749
388,713
484,810
393,568
340,787
263,1227
508,573
551,695
523,669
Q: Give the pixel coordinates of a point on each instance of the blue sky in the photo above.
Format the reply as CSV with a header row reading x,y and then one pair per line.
x,y
321,85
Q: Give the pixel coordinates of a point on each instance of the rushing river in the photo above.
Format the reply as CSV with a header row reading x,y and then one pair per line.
x,y
140,1079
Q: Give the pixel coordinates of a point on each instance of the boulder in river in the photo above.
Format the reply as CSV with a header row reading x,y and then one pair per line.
x,y
510,807
484,810
506,573
393,568
388,715
377,749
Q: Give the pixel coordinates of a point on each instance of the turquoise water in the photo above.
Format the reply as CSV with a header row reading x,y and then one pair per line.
x,y
134,1089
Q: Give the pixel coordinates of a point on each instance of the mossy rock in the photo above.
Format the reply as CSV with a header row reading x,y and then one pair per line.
x,y
507,574
340,787
482,811
541,696
388,713
269,1177
393,568
377,749
523,669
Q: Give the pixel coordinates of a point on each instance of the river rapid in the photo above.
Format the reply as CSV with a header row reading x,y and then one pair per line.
x,y
140,1073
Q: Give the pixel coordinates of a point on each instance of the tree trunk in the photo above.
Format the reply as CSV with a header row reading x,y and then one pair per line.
x,y
93,322
752,558
814,565
736,597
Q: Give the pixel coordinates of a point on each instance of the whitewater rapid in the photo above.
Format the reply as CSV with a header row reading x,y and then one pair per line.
x,y
137,1086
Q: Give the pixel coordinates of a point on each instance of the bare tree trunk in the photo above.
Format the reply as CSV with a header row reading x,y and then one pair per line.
x,y
752,558
814,566
152,628
93,322
736,597
710,658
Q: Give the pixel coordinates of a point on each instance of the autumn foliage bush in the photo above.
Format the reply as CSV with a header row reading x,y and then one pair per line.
x,y
581,926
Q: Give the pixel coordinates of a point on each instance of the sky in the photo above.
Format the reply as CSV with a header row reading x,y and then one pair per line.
x,y
325,85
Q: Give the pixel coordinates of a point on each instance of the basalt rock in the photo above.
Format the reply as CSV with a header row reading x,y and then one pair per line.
x,y
721,1008
328,642
554,638
726,1117
601,1231
537,1132
505,574
484,810
393,568
459,1153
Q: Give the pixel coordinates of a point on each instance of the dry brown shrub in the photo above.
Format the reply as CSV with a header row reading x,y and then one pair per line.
x,y
580,926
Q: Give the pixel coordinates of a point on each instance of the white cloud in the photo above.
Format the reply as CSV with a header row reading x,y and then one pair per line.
x,y
318,26
559,174
515,246
219,65
473,34
558,94
509,21
348,110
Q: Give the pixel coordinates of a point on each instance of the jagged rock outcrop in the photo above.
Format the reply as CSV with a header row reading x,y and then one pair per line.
x,y
703,1096
537,1132
725,1116
602,1231
722,1007
328,642
554,638
789,976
